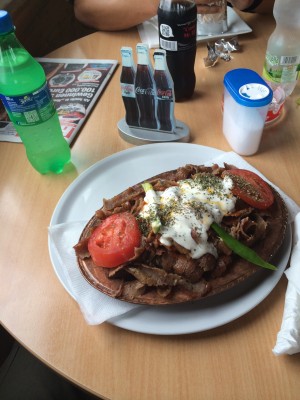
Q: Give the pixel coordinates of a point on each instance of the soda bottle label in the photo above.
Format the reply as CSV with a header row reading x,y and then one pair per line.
x,y
145,91
289,60
31,108
165,94
127,90
178,37
281,69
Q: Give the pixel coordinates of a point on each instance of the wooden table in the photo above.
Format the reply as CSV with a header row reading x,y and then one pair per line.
x,y
234,361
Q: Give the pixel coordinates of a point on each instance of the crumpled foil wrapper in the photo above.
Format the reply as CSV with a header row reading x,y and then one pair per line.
x,y
221,49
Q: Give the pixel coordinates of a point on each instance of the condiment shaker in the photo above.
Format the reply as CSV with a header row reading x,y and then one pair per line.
x,y
246,100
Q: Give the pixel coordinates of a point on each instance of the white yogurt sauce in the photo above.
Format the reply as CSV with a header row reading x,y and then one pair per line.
x,y
192,206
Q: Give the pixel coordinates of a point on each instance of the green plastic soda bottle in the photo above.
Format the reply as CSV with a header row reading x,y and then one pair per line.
x,y
28,102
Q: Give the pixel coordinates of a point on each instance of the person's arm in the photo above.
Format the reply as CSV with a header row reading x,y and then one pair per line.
x,y
114,14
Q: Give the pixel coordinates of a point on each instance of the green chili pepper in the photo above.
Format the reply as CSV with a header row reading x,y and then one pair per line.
x,y
147,186
240,249
155,221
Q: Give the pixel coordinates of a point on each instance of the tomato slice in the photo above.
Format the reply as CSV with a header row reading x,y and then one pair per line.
x,y
113,242
251,188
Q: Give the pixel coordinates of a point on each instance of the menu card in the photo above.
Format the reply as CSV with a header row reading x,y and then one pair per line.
x,y
75,85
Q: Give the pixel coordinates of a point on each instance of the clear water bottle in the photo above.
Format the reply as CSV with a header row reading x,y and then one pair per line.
x,y
177,26
28,102
282,62
127,87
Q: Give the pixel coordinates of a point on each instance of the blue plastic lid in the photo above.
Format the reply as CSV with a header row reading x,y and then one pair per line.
x,y
6,24
248,88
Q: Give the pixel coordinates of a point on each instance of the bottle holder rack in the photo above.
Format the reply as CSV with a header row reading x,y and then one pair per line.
x,y
135,135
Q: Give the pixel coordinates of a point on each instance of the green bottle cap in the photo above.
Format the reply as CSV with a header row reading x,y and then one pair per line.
x,y
6,24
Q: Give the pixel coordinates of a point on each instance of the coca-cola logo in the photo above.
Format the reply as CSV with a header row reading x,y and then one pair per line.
x,y
164,92
127,88
145,91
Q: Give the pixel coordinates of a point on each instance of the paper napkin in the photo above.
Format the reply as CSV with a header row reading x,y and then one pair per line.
x,y
288,338
95,306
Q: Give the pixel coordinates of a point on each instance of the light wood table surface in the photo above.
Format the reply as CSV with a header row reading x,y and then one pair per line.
x,y
234,361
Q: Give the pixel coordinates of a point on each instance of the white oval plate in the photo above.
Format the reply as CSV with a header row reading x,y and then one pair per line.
x,y
114,174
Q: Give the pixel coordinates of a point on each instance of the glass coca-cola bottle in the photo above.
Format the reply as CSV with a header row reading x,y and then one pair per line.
x,y
165,92
145,90
127,87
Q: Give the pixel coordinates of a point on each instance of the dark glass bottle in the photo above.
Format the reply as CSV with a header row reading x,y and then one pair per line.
x,y
127,87
145,89
177,25
165,92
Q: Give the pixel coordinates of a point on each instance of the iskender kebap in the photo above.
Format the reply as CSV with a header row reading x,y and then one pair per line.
x,y
182,235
